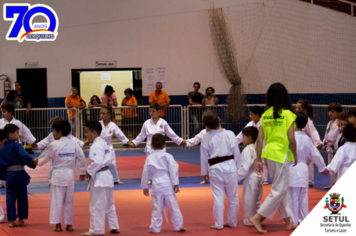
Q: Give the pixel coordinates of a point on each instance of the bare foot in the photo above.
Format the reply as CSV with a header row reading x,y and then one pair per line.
x,y
290,226
181,230
214,227
256,221
12,223
58,228
87,233
226,225
22,223
115,231
149,231
69,228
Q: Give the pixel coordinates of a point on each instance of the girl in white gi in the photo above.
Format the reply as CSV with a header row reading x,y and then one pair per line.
x,y
102,203
163,169
345,156
255,117
331,134
311,131
278,130
49,139
108,129
63,153
220,160
298,175
2,140
252,188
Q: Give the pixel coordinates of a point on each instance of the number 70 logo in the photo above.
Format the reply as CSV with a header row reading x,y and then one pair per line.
x,y
22,28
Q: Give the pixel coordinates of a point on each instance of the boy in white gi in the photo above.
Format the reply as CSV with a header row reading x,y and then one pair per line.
x,y
2,140
298,175
255,117
49,139
345,156
220,157
252,187
163,170
63,153
101,184
331,134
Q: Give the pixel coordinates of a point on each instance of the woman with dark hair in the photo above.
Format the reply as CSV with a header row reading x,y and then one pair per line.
x,y
277,129
129,115
209,98
95,102
108,99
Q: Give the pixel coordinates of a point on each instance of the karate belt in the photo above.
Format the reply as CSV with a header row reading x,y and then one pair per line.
x,y
62,167
101,170
218,160
15,168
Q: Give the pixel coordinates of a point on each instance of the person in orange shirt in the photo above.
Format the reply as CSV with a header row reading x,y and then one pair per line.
x,y
129,115
160,97
74,101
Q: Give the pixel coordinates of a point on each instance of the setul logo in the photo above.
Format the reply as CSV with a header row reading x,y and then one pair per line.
x,y
335,205
22,28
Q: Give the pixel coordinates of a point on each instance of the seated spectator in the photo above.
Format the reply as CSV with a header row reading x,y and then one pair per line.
x,y
74,101
129,115
209,98
108,99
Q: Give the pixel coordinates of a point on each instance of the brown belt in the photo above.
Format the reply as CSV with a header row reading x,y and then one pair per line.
x,y
217,160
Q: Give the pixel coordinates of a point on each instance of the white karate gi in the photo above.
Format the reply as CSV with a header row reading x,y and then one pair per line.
x,y
239,138
330,142
298,176
161,167
343,159
49,139
64,153
101,184
252,187
107,133
223,176
149,129
25,133
311,131
197,139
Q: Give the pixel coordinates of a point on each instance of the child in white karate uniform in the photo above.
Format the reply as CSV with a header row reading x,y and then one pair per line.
x,y
108,129
255,117
252,187
155,125
298,175
331,134
63,153
311,131
342,121
345,156
163,170
220,160
2,140
49,139
101,184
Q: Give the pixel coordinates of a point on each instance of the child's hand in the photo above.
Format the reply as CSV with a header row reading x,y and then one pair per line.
x,y
35,161
205,177
82,177
34,145
176,189
183,143
258,167
146,192
86,143
87,175
319,147
325,172
130,144
295,161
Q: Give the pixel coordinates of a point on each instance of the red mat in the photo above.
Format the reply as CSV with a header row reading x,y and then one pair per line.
x,y
129,168
134,213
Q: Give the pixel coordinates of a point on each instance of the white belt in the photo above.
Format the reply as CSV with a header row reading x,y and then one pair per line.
x,y
15,168
62,168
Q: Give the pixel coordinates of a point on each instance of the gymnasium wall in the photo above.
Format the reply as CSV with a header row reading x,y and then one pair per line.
x,y
176,35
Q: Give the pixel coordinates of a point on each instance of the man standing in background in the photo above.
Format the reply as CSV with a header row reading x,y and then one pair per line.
x,y
161,97
18,98
195,98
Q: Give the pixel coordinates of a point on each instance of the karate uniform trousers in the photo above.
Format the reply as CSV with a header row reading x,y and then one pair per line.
x,y
61,202
18,195
113,167
102,208
220,184
159,202
298,198
251,198
278,198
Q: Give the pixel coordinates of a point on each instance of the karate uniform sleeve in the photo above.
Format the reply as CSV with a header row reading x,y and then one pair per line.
x,y
46,156
2,172
314,135
236,152
44,142
79,142
316,157
336,162
95,156
246,163
80,162
27,135
195,141
204,160
120,135
24,156
145,176
172,135
141,136
173,169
